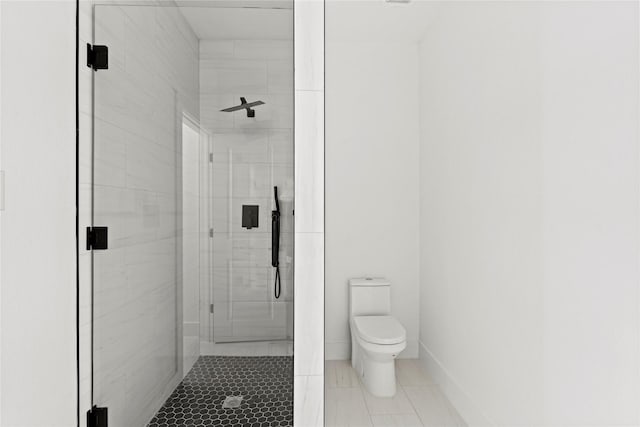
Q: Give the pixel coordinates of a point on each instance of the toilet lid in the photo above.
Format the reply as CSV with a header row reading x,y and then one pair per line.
x,y
380,329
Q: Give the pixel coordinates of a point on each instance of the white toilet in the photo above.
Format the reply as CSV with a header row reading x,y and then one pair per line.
x,y
376,337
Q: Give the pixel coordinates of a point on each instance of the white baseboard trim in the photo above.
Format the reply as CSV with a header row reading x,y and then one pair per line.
x,y
341,350
337,350
465,405
190,353
411,352
191,329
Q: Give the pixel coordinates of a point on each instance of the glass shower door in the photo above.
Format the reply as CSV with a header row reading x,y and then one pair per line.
x,y
181,273
138,106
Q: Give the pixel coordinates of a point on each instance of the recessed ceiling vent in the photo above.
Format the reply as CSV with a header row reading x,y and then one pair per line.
x,y
397,1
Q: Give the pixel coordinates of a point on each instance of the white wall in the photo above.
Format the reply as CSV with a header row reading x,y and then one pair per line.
x,y
372,181
529,211
590,213
191,241
38,226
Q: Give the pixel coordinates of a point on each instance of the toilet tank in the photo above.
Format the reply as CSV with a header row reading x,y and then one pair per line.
x,y
369,296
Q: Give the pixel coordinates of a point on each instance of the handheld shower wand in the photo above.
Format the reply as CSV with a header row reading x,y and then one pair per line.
x,y
275,244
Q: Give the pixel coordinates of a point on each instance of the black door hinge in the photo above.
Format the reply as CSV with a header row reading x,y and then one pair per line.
x,y
97,417
97,57
97,238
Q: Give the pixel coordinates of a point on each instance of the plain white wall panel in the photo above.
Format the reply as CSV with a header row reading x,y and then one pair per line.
x,y
38,276
529,211
372,180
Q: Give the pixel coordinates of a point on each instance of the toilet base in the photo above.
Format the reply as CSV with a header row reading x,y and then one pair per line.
x,y
375,365
379,378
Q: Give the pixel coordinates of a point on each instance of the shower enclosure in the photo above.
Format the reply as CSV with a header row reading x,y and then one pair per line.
x,y
192,253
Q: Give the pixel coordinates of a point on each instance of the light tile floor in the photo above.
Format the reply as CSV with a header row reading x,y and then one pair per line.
x,y
418,400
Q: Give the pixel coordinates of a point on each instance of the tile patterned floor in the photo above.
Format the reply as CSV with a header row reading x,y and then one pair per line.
x,y
265,382
418,400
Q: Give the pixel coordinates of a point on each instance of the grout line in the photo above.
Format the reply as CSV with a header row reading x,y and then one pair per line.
x,y
415,410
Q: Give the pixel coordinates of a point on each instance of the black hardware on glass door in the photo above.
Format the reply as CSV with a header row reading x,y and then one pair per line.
x,y
97,417
97,238
97,57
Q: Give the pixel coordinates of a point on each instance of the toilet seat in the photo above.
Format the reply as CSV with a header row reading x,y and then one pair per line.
x,y
380,330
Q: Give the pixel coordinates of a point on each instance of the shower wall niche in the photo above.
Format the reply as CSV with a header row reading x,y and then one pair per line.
x,y
250,156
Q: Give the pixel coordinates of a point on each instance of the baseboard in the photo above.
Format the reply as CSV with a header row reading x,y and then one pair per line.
x,y
341,350
337,350
465,405
190,354
191,329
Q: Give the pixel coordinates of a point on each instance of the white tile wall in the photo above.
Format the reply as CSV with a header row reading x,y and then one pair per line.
x,y
309,282
309,161
250,157
308,394
309,42
308,401
191,237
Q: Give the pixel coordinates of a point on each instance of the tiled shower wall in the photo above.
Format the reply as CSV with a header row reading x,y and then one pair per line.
x,y
152,79
251,155
308,396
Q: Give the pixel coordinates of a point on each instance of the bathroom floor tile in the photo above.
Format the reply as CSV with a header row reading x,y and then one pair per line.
x,y
419,401
432,407
398,404
265,384
339,373
410,373
396,420
346,407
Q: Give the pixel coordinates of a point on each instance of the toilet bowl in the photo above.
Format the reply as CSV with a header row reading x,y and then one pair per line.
x,y
377,338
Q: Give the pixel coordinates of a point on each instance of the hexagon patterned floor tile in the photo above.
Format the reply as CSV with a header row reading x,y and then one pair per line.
x,y
265,384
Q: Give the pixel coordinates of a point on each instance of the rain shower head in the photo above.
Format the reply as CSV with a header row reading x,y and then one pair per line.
x,y
244,106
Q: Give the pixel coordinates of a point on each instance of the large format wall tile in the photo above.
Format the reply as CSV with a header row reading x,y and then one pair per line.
x,y
250,157
309,137
309,218
308,400
309,304
309,41
153,71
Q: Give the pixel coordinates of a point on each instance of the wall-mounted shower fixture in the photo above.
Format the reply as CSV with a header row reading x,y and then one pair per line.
x,y
275,244
244,105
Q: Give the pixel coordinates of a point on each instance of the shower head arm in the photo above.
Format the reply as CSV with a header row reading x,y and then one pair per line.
x,y
244,105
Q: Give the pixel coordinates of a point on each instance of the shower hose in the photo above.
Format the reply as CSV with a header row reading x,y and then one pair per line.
x,y
277,285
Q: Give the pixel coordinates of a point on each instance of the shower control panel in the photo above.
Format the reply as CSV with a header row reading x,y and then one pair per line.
x,y
250,216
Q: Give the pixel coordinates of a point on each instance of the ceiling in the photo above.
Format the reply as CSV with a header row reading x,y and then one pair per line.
x,y
378,20
345,20
257,21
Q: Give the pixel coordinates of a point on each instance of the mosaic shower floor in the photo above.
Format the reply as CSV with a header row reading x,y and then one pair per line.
x,y
265,384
